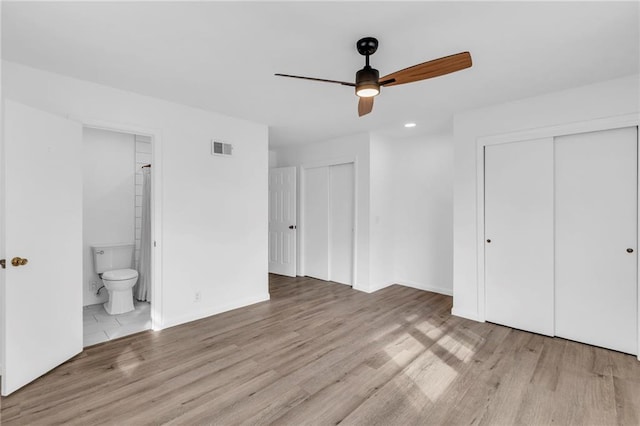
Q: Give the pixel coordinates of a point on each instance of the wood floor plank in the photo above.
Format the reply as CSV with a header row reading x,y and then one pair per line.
x,y
320,353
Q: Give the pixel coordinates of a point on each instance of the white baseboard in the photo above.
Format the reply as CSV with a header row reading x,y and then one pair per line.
x,y
406,283
380,286
213,310
467,315
357,287
370,290
426,287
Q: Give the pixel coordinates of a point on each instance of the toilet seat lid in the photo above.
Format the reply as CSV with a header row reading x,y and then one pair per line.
x,y
120,274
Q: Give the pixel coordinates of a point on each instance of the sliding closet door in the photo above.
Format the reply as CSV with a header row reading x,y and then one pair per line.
x,y
519,235
596,238
341,224
328,222
316,223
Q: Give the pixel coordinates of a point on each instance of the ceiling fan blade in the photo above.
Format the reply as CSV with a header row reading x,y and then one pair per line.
x,y
344,83
365,105
430,69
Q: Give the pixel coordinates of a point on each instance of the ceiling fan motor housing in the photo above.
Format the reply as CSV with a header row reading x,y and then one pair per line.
x,y
367,46
367,82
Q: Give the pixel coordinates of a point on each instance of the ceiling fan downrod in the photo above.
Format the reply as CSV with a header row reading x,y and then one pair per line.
x,y
367,79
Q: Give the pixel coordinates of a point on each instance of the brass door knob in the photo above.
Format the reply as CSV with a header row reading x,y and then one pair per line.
x,y
18,261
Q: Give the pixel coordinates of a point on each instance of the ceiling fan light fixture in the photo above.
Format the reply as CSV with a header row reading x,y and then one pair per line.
x,y
367,91
367,82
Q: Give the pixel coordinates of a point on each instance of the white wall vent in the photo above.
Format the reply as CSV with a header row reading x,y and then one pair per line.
x,y
221,148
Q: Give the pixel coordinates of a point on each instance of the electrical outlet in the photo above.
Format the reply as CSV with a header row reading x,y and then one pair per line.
x,y
196,297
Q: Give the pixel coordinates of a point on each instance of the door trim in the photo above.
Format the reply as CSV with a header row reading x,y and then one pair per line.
x,y
157,322
605,123
301,219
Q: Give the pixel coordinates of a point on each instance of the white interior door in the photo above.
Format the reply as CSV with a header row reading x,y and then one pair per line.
x,y
316,223
341,223
519,235
596,238
282,221
42,300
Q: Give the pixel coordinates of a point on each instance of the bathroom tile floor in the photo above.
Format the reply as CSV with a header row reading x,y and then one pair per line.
x,y
100,327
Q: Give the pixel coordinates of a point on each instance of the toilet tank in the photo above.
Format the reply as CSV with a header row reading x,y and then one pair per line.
x,y
107,257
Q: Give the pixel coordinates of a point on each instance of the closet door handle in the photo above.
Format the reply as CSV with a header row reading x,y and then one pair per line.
x,y
629,250
292,227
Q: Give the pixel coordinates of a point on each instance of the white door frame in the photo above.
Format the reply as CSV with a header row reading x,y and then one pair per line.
x,y
606,123
301,219
156,206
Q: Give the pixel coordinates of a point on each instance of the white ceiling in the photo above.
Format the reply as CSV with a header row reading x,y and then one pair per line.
x,y
222,56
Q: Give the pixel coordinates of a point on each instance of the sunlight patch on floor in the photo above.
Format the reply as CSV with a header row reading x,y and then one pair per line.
x,y
126,364
442,377
431,372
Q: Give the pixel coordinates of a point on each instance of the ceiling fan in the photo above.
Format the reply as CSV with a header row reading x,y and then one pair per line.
x,y
368,79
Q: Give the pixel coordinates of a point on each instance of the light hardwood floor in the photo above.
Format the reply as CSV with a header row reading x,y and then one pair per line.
x,y
321,354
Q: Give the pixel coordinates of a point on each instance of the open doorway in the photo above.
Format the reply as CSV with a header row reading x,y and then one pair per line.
x,y
116,284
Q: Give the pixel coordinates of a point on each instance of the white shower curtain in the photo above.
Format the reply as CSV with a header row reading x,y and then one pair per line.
x,y
143,288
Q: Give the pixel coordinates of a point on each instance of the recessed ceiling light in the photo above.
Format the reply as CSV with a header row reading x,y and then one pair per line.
x,y
410,125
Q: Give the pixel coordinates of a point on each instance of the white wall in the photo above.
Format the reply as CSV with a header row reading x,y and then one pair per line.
x,y
382,213
108,199
423,212
332,152
214,209
273,160
606,99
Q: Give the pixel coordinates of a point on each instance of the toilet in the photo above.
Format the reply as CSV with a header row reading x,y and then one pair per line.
x,y
113,263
